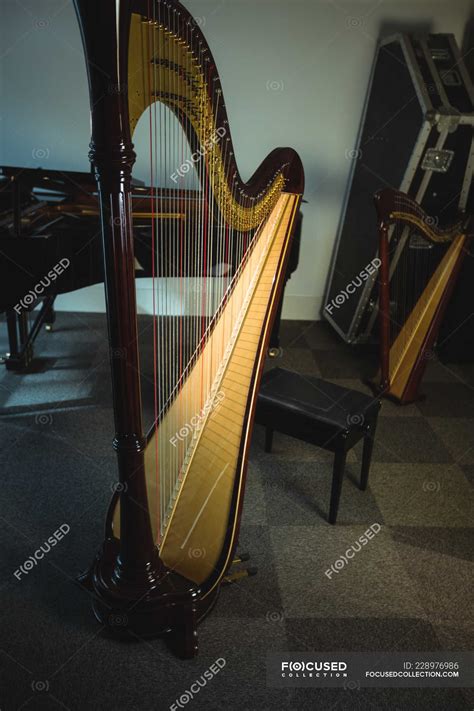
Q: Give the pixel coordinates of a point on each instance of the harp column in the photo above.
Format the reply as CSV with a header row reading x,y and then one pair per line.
x,y
383,209
105,33
384,307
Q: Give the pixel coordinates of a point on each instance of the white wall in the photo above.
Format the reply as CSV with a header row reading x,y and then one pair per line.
x,y
294,73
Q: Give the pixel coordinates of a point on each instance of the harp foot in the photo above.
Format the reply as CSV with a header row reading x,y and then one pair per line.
x,y
182,639
169,606
409,397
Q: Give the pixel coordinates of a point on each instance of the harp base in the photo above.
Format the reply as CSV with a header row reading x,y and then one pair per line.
x,y
384,391
171,606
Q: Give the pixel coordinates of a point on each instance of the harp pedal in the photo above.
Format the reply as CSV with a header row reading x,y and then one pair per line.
x,y
242,558
234,577
238,575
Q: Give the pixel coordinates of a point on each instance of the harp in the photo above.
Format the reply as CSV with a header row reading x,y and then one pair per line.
x,y
219,247
419,264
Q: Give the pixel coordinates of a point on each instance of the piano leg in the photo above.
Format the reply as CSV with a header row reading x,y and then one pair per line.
x,y
26,348
12,333
50,317
21,353
21,337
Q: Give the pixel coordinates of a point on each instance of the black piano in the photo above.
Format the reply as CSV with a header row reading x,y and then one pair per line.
x,y
50,244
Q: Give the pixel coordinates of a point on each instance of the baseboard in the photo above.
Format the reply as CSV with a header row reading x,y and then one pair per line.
x,y
92,300
302,308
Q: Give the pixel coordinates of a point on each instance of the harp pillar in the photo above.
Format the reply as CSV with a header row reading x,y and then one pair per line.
x,y
384,307
133,592
105,32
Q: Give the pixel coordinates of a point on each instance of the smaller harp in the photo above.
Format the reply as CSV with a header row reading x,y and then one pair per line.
x,y
419,264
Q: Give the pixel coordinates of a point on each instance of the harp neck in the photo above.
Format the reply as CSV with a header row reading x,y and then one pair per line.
x,y
394,206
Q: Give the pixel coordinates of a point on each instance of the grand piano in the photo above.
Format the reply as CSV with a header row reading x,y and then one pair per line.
x,y
50,244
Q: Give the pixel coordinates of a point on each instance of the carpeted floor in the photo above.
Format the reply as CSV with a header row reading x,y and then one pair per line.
x,y
410,589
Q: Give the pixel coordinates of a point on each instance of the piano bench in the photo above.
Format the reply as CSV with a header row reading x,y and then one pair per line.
x,y
321,413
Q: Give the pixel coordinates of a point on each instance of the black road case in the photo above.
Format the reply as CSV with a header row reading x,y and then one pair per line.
x,y
416,135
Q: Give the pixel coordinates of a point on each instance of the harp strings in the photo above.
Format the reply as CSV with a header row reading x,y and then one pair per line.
x,y
414,255
196,261
151,79
410,266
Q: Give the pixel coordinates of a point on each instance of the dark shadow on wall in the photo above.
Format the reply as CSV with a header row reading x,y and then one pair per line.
x,y
392,27
467,46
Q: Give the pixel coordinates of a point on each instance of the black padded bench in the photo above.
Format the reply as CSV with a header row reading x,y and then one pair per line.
x,y
321,413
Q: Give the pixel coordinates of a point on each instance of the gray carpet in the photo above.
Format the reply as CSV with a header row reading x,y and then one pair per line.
x,y
410,589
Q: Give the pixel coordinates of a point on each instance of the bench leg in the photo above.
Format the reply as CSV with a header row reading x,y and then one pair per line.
x,y
268,439
337,476
367,455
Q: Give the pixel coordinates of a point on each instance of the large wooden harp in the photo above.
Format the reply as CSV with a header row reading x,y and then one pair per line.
x,y
419,264
219,248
